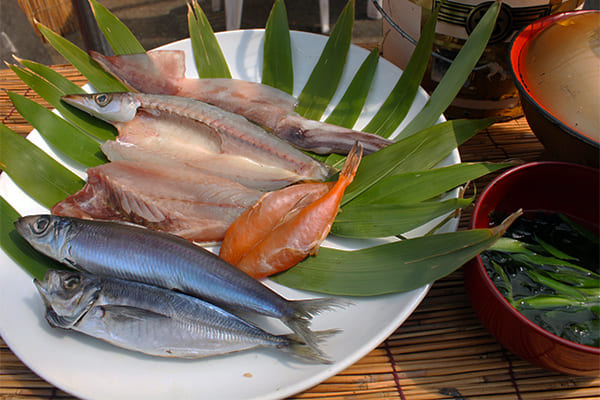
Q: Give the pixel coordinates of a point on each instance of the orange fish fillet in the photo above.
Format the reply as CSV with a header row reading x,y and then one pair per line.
x,y
268,212
299,232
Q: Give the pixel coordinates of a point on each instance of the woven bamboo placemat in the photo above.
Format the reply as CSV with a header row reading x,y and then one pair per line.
x,y
441,352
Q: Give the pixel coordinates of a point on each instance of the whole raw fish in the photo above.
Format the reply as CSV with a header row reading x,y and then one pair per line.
x,y
153,320
131,252
162,72
182,201
299,233
182,131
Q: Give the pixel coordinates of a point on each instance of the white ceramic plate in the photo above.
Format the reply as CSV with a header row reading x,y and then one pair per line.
x,y
89,368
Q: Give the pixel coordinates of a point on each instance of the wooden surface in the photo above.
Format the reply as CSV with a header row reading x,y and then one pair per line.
x,y
441,352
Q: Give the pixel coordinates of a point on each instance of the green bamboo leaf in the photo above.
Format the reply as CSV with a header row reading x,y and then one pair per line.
x,y
63,84
456,75
325,77
381,220
34,171
93,126
18,249
347,111
100,79
278,68
396,106
209,58
417,152
417,186
64,137
392,267
117,34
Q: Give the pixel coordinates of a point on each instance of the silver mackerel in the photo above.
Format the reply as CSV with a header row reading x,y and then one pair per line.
x,y
131,252
153,320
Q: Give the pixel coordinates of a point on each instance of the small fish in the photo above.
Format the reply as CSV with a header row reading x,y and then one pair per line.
x,y
182,201
153,320
263,216
181,131
131,252
162,72
301,232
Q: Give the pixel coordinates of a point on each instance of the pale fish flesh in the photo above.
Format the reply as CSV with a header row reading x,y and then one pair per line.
x,y
153,320
182,201
162,72
131,252
181,131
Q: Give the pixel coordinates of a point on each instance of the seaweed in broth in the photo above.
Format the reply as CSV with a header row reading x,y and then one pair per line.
x,y
554,279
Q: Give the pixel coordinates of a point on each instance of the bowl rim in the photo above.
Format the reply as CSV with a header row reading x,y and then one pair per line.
x,y
488,281
519,45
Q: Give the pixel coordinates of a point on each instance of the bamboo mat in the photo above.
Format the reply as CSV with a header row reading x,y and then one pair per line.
x,y
441,352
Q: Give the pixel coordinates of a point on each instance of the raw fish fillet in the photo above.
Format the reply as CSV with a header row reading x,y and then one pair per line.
x,y
179,131
197,206
162,72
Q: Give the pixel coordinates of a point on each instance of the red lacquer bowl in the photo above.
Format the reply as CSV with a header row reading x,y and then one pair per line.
x,y
556,69
562,187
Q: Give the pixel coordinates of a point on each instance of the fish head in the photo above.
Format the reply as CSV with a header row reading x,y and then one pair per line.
x,y
67,295
110,107
48,234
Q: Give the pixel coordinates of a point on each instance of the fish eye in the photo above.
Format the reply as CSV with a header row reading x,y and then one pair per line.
x,y
71,282
41,225
103,99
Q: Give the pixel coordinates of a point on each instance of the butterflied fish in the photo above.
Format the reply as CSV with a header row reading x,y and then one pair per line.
x,y
153,320
262,217
181,131
299,233
182,201
130,252
162,72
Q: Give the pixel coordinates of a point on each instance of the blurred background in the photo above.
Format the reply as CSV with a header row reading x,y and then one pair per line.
x,y
156,22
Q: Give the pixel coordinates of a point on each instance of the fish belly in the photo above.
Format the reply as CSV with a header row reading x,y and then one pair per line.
x,y
181,201
164,323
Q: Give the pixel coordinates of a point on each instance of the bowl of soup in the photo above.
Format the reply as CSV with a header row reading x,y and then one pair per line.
x,y
555,64
547,189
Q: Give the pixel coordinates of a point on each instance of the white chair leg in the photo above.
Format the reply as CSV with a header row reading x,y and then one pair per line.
x,y
324,10
233,14
216,5
372,11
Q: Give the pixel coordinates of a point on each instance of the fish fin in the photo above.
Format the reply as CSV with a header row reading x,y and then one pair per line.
x,y
304,311
137,71
118,313
300,349
352,161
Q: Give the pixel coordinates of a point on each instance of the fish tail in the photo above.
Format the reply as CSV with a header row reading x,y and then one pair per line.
x,y
352,162
304,311
296,346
